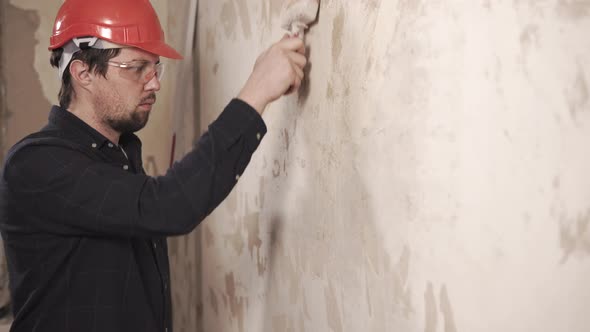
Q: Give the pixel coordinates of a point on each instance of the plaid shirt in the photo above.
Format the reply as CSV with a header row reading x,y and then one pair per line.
x,y
85,228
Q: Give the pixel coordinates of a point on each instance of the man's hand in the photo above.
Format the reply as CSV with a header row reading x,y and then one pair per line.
x,y
278,70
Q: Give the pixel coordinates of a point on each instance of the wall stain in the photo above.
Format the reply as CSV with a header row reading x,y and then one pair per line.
x,y
573,9
332,308
369,64
245,18
306,308
430,309
372,5
294,279
330,92
578,96
285,167
25,107
529,36
285,135
229,18
210,40
213,301
209,237
261,193
447,310
556,182
252,223
574,236
235,240
338,28
231,202
526,217
276,169
368,292
236,304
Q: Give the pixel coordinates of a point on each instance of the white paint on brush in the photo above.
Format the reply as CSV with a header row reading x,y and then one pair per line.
x,y
298,14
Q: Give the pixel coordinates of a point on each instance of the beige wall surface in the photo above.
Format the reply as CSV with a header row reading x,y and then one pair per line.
x,y
431,175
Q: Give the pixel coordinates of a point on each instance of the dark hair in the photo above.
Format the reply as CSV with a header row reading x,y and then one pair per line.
x,y
96,59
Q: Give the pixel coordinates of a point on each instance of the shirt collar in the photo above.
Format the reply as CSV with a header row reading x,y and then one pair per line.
x,y
66,120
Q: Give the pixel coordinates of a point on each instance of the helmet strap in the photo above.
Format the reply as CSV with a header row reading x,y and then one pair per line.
x,y
82,43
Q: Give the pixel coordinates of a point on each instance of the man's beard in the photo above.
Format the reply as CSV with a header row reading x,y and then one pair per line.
x,y
135,122
130,122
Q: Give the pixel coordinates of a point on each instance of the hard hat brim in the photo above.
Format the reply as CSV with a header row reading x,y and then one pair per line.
x,y
159,48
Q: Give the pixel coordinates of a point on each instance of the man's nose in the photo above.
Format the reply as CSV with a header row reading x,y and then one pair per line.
x,y
153,84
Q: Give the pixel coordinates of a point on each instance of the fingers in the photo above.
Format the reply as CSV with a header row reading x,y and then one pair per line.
x,y
296,85
292,44
297,78
298,72
298,59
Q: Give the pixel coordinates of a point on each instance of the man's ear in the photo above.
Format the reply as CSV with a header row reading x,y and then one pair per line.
x,y
80,73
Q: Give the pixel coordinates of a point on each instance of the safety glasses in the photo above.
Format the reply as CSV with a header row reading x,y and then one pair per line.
x,y
139,70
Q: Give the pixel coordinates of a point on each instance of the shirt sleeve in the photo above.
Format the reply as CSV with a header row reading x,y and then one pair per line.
x,y
66,192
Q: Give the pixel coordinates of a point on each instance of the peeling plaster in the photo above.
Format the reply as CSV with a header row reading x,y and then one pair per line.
x,y
26,107
45,15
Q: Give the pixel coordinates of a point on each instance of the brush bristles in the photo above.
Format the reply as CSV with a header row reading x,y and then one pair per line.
x,y
299,11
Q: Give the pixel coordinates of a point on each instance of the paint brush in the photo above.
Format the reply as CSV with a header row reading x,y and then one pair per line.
x,y
298,14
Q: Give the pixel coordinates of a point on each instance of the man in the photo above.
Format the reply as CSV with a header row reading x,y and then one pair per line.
x,y
83,227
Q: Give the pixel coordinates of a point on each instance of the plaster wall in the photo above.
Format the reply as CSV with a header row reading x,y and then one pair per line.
x,y
431,174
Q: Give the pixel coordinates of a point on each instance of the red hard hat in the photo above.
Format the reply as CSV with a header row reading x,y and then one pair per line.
x,y
125,22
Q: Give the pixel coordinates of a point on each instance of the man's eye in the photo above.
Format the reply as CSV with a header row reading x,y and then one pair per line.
x,y
140,68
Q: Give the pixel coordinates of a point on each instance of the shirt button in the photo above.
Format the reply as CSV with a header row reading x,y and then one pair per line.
x,y
258,136
155,245
126,167
94,145
111,145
